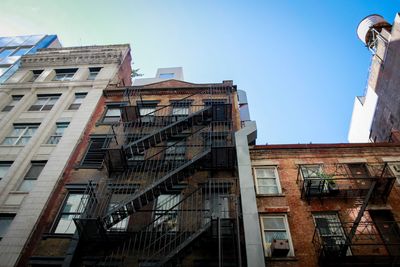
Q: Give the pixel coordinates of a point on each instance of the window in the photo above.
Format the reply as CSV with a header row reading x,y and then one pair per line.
x,y
6,52
358,170
314,183
180,108
4,166
219,111
147,112
31,176
44,102
5,222
93,73
95,154
78,100
59,131
267,180
20,135
14,101
275,227
166,213
22,51
3,70
166,75
395,168
116,199
73,206
64,74
113,113
35,75
331,231
176,150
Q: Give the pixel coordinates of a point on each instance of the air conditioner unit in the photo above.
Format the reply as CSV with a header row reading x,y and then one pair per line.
x,y
280,248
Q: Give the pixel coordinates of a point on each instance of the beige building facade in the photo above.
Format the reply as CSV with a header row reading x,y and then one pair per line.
x,y
45,107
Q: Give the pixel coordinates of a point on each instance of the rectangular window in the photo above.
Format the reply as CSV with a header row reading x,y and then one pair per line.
x,y
73,206
166,75
276,236
22,51
112,114
14,101
59,131
116,199
44,102
395,168
95,153
5,222
93,72
358,170
330,231
31,176
78,100
147,110
314,182
267,180
166,213
176,150
3,70
4,167
64,74
6,52
20,135
180,108
35,75
219,111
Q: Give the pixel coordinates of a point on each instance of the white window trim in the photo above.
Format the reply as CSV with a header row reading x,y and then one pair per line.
x,y
277,179
394,170
267,251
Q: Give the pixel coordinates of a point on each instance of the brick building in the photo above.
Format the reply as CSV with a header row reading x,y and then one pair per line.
x,y
153,182
328,204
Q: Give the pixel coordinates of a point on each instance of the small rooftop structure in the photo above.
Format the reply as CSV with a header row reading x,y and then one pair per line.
x,y
162,74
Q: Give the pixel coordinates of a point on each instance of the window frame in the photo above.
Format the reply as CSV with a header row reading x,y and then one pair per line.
x,y
61,211
5,164
395,170
76,104
6,215
35,74
266,245
31,178
106,142
277,179
115,106
25,127
121,226
14,101
66,74
159,219
175,150
55,137
93,72
47,105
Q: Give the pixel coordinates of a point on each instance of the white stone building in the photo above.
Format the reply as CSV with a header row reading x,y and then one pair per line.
x,y
44,109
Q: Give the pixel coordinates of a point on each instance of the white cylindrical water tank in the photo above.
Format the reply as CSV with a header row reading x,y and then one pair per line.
x,y
367,24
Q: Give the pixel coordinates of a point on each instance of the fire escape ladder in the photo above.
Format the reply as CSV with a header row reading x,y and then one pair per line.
x,y
163,134
176,225
171,176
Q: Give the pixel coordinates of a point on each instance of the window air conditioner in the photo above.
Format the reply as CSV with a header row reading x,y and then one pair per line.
x,y
280,248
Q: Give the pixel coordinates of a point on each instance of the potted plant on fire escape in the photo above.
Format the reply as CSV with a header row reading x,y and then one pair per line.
x,y
333,188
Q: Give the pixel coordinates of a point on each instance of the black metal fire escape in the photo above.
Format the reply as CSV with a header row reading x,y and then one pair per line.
x,y
150,153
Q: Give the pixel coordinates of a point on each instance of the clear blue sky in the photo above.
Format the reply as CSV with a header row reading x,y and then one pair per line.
x,y
300,61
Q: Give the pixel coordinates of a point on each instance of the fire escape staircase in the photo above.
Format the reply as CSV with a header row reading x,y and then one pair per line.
x,y
158,243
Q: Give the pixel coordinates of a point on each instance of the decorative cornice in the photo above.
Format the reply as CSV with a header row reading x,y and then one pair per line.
x,y
76,56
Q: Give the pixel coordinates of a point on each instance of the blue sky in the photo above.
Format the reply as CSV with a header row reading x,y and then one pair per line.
x,y
299,61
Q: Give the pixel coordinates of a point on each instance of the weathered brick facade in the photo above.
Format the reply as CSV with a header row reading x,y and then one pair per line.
x,y
299,211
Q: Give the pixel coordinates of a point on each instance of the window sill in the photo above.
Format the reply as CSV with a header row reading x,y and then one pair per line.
x,y
291,258
19,192
270,195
